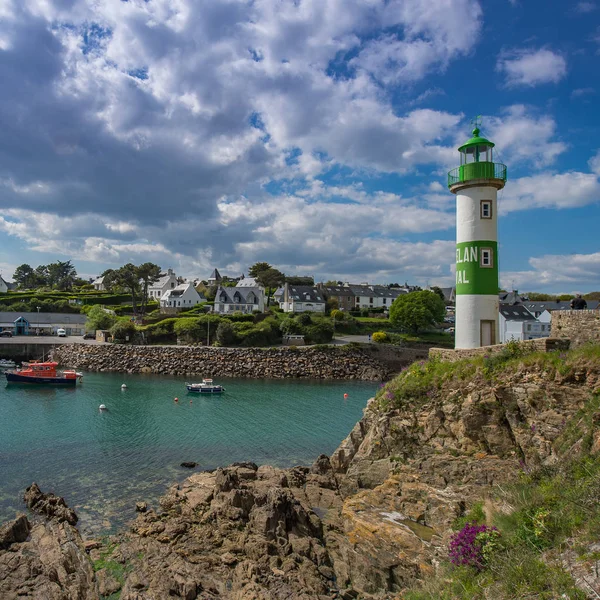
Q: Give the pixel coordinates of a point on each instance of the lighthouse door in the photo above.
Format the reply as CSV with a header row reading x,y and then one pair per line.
x,y
487,333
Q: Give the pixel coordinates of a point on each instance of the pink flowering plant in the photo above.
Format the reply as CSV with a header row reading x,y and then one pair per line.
x,y
473,545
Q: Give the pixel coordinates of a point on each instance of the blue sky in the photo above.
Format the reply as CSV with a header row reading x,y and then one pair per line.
x,y
312,134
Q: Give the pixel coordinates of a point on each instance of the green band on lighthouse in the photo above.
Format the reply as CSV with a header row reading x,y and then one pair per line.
x,y
477,268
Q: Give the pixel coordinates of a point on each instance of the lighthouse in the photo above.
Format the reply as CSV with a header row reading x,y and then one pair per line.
x,y
476,183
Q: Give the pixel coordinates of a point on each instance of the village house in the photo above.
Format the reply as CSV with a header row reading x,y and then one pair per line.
x,y
99,284
517,323
239,299
302,298
3,286
40,323
166,282
180,297
375,296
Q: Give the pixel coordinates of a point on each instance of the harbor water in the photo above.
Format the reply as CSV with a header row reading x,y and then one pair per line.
x,y
103,462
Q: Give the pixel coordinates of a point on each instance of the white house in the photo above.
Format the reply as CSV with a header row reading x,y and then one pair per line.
x,y
375,296
166,282
302,298
239,299
180,297
517,323
3,286
99,284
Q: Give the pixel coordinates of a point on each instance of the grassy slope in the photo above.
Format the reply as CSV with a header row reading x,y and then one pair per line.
x,y
547,512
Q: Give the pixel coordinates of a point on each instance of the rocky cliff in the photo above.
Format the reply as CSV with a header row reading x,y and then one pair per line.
x,y
367,522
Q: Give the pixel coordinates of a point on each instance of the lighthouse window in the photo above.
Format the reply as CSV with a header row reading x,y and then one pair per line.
x,y
486,259
486,209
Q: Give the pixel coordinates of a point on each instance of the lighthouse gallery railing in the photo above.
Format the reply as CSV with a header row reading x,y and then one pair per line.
x,y
477,170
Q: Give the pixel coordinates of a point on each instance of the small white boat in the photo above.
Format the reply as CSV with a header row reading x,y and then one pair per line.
x,y
7,364
206,387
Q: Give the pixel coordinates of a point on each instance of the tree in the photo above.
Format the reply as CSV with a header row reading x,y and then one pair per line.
x,y
25,277
417,311
127,277
297,280
41,275
258,268
226,334
439,292
98,318
270,278
592,296
536,297
123,331
148,273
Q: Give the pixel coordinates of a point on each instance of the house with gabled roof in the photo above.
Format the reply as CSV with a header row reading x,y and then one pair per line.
x,y
517,323
99,284
167,281
375,296
180,297
239,299
302,298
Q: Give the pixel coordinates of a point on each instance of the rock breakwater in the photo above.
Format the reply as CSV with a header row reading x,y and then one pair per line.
x,y
344,362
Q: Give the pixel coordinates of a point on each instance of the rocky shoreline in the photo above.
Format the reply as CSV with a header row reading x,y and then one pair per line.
x,y
325,362
366,522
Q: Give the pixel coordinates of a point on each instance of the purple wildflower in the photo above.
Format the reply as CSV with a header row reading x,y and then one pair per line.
x,y
466,549
389,395
533,427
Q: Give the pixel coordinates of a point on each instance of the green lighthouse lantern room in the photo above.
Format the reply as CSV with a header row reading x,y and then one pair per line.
x,y
476,162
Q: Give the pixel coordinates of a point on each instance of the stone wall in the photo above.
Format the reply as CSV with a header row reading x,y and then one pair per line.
x,y
331,362
539,345
580,326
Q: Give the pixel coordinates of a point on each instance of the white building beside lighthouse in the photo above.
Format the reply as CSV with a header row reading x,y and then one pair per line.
x,y
476,183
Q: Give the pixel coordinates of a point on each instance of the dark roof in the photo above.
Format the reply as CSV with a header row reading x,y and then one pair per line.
x,y
510,297
337,290
243,292
516,312
305,293
377,291
551,305
215,276
35,317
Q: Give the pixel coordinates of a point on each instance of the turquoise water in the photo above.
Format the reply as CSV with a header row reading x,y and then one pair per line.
x,y
103,462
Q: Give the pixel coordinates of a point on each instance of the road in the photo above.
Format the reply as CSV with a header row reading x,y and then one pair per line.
x,y
49,340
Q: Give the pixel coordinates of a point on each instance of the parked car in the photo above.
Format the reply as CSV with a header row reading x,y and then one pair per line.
x,y
61,333
6,333
89,336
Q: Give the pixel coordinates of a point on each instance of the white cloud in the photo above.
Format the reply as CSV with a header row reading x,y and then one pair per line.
x,y
523,137
569,273
530,67
550,190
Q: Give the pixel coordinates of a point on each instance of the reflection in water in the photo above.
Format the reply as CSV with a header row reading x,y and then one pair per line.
x,y
103,462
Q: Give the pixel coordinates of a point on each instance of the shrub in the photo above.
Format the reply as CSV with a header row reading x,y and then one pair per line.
x,y
226,335
473,545
380,337
98,318
321,333
304,319
123,331
291,326
189,330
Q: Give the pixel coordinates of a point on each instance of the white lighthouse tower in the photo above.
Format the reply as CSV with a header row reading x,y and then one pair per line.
x,y
476,183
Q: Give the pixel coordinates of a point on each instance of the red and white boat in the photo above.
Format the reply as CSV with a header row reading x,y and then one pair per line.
x,y
43,373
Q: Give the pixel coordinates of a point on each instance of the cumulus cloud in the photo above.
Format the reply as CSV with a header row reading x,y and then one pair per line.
x,y
569,272
524,137
530,67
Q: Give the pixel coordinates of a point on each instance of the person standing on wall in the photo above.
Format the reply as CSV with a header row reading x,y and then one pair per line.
x,y
578,303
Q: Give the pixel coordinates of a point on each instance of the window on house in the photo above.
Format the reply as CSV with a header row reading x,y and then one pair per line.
x,y
528,327
486,258
384,300
370,300
172,285
486,209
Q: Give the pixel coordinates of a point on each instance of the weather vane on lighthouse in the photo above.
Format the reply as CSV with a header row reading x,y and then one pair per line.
x,y
476,183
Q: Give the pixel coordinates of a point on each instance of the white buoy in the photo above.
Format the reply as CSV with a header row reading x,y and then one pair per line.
x,y
123,387
102,407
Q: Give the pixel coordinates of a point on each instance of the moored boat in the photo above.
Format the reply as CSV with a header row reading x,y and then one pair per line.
x,y
7,364
206,387
43,373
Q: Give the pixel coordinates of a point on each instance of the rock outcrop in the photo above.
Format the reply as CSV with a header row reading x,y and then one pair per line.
x,y
45,559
